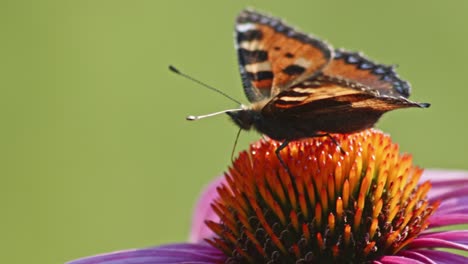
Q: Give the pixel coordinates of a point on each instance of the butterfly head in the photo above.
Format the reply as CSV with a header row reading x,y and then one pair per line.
x,y
245,117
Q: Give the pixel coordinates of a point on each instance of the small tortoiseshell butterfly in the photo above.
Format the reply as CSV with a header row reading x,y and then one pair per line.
x,y
300,87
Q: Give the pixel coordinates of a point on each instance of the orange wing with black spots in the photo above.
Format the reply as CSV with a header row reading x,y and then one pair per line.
x,y
273,56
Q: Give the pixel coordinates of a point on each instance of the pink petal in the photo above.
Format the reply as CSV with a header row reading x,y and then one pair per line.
x,y
447,192
417,256
423,242
444,181
456,236
437,175
203,212
442,256
453,206
398,260
167,254
439,219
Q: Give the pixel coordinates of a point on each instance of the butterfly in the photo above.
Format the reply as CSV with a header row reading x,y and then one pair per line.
x,y
300,87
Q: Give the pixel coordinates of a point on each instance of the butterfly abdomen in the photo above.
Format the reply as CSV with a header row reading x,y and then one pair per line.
x,y
297,128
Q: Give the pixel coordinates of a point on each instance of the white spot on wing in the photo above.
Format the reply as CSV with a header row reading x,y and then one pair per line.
x,y
304,90
250,45
245,27
292,98
257,67
303,62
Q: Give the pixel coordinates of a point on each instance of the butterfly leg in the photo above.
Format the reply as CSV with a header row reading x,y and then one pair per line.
x,y
333,140
235,144
277,152
336,143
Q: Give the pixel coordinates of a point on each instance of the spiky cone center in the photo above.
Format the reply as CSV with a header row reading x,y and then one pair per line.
x,y
332,208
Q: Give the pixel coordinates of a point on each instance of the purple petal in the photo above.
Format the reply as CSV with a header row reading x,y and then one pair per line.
x,y
398,260
453,206
444,181
429,242
417,256
438,256
437,175
166,254
457,236
203,212
439,219
449,192
454,209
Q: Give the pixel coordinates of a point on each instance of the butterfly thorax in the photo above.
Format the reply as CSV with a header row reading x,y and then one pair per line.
x,y
253,117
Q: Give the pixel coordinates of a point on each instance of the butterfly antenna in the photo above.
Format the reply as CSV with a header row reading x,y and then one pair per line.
x,y
175,70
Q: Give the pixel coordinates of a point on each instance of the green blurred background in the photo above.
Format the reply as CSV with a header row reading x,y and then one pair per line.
x,y
95,152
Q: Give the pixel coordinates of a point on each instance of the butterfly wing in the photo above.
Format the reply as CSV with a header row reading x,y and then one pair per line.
x,y
355,67
332,105
325,93
273,56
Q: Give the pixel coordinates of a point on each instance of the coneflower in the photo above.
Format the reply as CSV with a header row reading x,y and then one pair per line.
x,y
369,205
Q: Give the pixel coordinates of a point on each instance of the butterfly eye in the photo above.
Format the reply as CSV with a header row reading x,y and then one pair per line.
x,y
244,119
